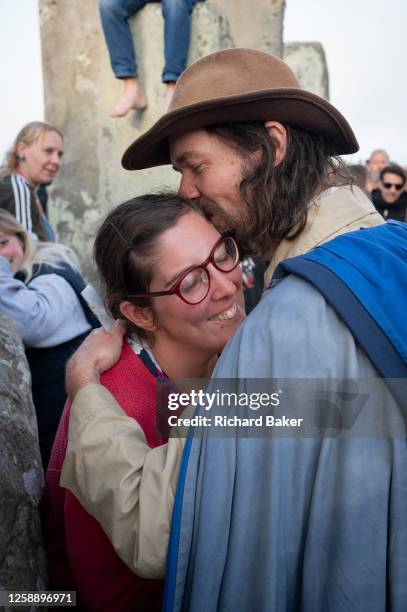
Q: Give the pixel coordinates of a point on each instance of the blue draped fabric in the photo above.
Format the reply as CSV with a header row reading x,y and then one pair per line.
x,y
304,524
373,264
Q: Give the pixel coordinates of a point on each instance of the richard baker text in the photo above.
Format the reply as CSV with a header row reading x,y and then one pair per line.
x,y
281,407
234,421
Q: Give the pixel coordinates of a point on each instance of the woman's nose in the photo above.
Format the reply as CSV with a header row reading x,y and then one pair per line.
x,y
223,283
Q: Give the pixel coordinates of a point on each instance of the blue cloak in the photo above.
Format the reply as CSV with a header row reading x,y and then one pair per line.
x,y
315,524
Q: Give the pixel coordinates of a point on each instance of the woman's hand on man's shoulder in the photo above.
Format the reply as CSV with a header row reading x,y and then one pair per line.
x,y
99,352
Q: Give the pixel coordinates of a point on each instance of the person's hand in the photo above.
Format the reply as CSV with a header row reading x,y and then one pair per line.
x,y
97,353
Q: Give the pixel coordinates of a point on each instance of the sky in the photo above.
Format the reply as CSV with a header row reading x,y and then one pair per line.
x,y
366,57
21,97
364,42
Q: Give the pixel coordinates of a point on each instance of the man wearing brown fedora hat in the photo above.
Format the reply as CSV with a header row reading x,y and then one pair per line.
x,y
308,516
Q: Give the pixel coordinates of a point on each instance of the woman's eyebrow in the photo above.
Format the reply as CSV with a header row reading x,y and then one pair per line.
x,y
176,276
181,272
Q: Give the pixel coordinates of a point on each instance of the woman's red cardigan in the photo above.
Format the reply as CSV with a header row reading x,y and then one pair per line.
x,y
80,557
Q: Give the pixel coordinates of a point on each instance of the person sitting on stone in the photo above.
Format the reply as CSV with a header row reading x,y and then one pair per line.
x,y
374,165
43,299
176,281
115,16
33,160
390,198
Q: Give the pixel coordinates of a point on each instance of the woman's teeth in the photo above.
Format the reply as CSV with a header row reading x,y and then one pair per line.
x,y
226,314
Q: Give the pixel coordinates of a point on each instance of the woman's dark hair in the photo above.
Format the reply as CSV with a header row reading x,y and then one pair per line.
x,y
125,248
278,196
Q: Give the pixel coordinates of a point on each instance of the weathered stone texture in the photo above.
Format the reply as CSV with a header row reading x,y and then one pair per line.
x,y
308,61
22,558
258,24
80,90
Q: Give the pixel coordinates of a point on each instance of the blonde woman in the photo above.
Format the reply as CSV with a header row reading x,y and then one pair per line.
x,y
33,160
40,285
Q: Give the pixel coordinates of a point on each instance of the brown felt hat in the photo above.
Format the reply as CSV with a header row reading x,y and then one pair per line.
x,y
235,86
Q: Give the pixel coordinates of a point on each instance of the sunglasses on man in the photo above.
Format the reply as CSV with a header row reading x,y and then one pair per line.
x,y
397,186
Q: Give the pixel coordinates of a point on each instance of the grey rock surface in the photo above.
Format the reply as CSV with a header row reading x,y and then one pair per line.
x,y
258,24
22,557
80,90
308,61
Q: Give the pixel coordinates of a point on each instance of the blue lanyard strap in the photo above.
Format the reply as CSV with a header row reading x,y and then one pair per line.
x,y
152,368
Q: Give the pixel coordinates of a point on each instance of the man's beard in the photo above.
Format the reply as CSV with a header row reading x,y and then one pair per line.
x,y
237,224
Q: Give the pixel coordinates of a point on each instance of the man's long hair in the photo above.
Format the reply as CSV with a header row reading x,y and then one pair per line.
x,y
278,196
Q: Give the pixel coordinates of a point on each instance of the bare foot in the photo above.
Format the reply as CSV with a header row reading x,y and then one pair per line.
x,y
168,95
133,98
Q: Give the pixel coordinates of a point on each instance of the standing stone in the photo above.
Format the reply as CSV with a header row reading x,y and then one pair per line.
x,y
308,61
80,90
22,557
258,24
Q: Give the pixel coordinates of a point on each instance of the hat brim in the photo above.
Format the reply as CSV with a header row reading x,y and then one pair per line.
x,y
296,107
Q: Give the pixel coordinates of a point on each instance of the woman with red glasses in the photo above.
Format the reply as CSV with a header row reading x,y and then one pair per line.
x,y
176,282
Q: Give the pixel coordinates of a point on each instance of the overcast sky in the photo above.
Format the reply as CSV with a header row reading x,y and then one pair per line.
x,y
21,97
364,41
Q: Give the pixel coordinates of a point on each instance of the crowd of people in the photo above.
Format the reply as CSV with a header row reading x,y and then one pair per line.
x,y
268,218
384,182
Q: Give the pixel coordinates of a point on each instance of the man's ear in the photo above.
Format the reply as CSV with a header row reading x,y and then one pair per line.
x,y
278,133
142,317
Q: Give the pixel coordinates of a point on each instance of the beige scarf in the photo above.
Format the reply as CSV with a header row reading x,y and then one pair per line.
x,y
336,211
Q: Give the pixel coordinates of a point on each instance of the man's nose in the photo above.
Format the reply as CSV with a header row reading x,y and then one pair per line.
x,y
187,188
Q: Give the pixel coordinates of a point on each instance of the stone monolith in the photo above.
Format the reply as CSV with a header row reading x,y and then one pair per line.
x,y
22,557
308,61
80,90
258,24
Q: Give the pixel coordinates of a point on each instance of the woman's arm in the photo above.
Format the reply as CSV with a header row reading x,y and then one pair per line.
x,y
47,311
128,487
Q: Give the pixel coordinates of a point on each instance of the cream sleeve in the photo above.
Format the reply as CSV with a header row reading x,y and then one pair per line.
x,y
128,487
